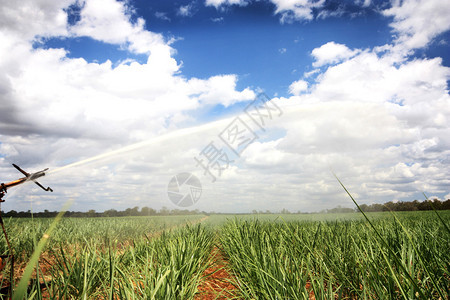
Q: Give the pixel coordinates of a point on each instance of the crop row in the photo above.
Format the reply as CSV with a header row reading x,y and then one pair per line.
x,y
395,259
401,257
167,266
24,233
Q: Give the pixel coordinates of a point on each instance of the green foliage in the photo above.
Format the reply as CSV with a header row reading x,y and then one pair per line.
x,y
340,259
293,256
134,258
76,231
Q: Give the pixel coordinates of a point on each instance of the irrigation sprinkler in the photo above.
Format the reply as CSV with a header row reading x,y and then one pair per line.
x,y
3,190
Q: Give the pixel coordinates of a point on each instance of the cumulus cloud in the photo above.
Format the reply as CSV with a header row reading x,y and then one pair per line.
x,y
379,121
371,116
45,87
297,87
331,53
417,22
57,110
369,78
34,18
109,21
219,90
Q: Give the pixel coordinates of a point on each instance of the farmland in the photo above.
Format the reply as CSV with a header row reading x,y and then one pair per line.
x,y
306,256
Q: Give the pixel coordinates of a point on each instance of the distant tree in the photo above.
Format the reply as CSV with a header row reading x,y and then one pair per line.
x,y
376,207
23,214
132,211
135,211
364,207
437,205
446,204
339,209
12,213
164,211
389,206
110,213
147,211
416,204
409,206
425,205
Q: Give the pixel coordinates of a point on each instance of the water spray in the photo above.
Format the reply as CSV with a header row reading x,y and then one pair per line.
x,y
174,134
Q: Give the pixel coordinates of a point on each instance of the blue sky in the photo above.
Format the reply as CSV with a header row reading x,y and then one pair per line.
x,y
249,41
363,86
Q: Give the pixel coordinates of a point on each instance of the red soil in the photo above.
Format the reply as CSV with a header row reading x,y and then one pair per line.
x,y
218,281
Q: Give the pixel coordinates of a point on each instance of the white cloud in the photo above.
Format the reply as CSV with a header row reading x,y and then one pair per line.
x,y
368,78
34,17
417,22
364,3
297,87
109,21
311,73
337,13
186,10
58,95
331,53
265,155
218,3
292,10
375,118
56,109
380,122
219,90
162,16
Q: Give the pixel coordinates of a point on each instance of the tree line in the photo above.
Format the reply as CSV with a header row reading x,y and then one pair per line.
x,y
129,212
415,205
408,205
164,211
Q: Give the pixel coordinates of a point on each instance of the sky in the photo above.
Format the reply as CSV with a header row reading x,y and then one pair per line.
x,y
260,100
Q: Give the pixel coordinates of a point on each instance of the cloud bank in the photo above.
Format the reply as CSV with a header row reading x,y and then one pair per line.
x,y
376,117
